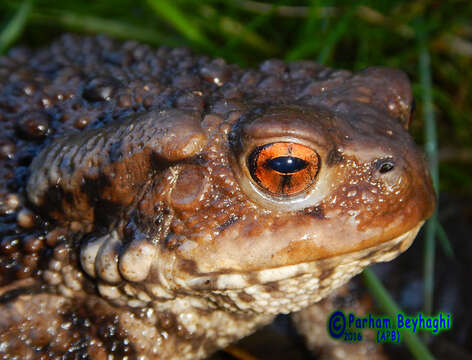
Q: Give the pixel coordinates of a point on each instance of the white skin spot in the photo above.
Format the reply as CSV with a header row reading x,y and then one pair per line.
x,y
136,261
88,254
107,260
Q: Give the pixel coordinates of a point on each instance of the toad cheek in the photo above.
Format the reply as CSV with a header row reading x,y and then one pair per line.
x,y
321,250
242,248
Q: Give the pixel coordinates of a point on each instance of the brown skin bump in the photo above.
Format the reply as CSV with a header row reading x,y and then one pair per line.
x,y
395,98
189,266
190,187
368,255
167,320
325,273
316,211
245,297
228,223
157,148
271,286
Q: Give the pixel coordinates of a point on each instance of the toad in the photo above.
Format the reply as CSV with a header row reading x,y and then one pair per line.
x,y
161,205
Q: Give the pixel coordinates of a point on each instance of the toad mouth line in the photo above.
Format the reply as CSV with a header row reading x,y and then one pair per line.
x,y
382,252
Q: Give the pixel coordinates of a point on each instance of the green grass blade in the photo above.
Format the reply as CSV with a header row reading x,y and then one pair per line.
x,y
308,42
15,26
429,260
257,22
431,146
444,241
171,13
431,150
336,34
389,307
308,48
231,28
94,24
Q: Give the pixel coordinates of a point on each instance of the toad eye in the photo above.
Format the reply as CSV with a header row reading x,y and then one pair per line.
x,y
283,168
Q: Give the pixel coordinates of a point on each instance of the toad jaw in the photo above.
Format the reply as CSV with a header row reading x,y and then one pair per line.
x,y
371,195
291,288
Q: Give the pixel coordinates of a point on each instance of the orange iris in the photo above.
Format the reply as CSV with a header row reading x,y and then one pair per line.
x,y
283,168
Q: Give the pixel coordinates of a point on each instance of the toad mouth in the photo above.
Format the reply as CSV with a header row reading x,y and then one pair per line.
x,y
320,269
291,288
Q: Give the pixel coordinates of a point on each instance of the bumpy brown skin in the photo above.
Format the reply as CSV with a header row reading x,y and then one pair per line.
x,y
130,223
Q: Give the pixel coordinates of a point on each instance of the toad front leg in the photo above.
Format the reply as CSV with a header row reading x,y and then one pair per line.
x,y
37,322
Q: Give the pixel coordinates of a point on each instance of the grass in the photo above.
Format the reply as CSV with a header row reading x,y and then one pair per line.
x,y
431,149
15,25
390,308
430,40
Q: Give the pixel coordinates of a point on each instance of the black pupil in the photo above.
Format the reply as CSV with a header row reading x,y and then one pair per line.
x,y
287,164
386,167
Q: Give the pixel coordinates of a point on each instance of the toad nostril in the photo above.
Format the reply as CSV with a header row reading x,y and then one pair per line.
x,y
386,166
